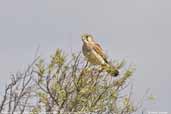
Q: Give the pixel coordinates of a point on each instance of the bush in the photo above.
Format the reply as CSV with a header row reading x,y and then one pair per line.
x,y
68,85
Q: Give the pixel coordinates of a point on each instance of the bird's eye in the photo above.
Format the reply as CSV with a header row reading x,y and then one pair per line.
x,y
87,37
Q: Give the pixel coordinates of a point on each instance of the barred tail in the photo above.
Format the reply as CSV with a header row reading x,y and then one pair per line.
x,y
113,71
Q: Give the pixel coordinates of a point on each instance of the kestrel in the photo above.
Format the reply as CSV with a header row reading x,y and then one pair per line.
x,y
95,54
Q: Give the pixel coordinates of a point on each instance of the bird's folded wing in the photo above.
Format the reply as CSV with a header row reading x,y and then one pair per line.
x,y
100,51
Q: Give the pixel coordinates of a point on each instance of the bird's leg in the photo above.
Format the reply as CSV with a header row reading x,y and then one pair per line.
x,y
90,66
87,64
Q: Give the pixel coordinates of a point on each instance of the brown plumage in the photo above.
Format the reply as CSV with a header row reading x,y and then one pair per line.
x,y
95,54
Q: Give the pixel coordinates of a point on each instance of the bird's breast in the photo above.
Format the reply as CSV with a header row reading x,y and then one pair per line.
x,y
92,56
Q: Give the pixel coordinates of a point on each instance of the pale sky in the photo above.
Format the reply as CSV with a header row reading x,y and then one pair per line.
x,y
135,30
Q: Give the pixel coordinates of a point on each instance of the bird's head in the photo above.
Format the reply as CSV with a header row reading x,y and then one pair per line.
x,y
86,38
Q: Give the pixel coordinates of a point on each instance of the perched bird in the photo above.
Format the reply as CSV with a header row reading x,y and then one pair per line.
x,y
95,54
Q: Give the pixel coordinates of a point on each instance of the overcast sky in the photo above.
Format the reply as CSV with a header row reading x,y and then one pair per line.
x,y
138,31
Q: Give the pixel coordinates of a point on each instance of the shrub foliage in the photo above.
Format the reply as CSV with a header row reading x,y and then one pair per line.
x,y
68,84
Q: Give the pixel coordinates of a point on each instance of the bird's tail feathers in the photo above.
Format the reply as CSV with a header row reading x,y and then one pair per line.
x,y
113,71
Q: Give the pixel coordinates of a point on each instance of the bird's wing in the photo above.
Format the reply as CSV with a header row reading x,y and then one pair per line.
x,y
99,51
